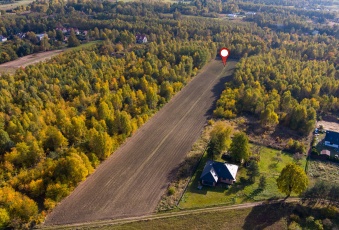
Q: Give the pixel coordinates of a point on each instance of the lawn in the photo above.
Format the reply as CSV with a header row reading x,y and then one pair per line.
x,y
85,45
243,190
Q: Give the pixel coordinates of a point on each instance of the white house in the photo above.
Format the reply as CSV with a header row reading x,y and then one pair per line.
x,y
2,38
232,15
141,38
215,172
41,36
332,139
315,32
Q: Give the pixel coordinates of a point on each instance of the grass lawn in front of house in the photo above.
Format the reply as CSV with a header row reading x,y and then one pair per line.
x,y
242,191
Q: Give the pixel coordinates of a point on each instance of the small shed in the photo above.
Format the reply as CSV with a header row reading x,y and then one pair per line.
x,y
325,152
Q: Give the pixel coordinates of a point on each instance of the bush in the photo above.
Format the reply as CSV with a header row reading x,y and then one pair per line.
x,y
330,212
311,223
262,182
314,151
171,191
295,146
4,218
294,226
318,225
295,218
327,223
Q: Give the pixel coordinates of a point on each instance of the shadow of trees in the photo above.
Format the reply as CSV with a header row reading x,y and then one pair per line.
x,y
266,215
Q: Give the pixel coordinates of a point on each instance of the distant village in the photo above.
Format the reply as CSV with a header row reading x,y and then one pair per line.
x,y
81,35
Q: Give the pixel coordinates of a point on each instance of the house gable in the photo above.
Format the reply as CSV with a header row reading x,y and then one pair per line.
x,y
218,171
209,173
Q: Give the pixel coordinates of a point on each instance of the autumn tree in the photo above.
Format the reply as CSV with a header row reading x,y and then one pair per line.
x,y
44,44
292,179
101,144
268,117
239,148
4,218
73,41
5,142
54,139
20,208
220,138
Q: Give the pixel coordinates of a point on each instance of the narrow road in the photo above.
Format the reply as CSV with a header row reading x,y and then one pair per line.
x,y
97,224
131,181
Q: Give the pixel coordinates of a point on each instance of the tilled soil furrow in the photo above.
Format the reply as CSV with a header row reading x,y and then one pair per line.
x,y
132,180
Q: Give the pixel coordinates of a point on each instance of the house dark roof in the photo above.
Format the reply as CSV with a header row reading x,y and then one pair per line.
x,y
332,137
213,170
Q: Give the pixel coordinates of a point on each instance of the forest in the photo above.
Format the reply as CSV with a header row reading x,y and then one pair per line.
x,y
60,119
290,84
106,19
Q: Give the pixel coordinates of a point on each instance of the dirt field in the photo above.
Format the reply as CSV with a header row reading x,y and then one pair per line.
x,y
14,4
132,180
10,67
328,125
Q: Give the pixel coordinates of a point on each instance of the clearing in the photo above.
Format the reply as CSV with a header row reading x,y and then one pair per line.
x,y
329,125
271,163
10,67
15,4
131,181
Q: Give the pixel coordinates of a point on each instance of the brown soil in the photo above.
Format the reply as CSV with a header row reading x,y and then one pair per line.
x,y
329,125
132,180
10,67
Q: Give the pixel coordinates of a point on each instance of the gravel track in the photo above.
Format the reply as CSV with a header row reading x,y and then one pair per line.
x,y
131,181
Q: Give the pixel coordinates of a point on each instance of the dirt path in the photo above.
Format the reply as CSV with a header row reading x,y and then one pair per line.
x,y
131,181
15,4
10,67
98,224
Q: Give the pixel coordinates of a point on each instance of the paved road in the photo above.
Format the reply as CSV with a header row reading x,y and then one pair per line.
x,y
131,181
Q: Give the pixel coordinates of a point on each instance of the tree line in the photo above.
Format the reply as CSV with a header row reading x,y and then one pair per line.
x,y
283,85
59,120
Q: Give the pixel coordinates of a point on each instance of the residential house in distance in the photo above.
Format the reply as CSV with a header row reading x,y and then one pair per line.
x,y
41,36
21,35
77,31
215,172
325,153
332,139
315,32
2,38
141,38
62,29
232,15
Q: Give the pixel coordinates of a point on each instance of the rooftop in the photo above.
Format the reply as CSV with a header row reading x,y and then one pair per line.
x,y
213,170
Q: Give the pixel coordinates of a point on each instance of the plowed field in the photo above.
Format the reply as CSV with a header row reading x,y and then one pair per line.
x,y
132,180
